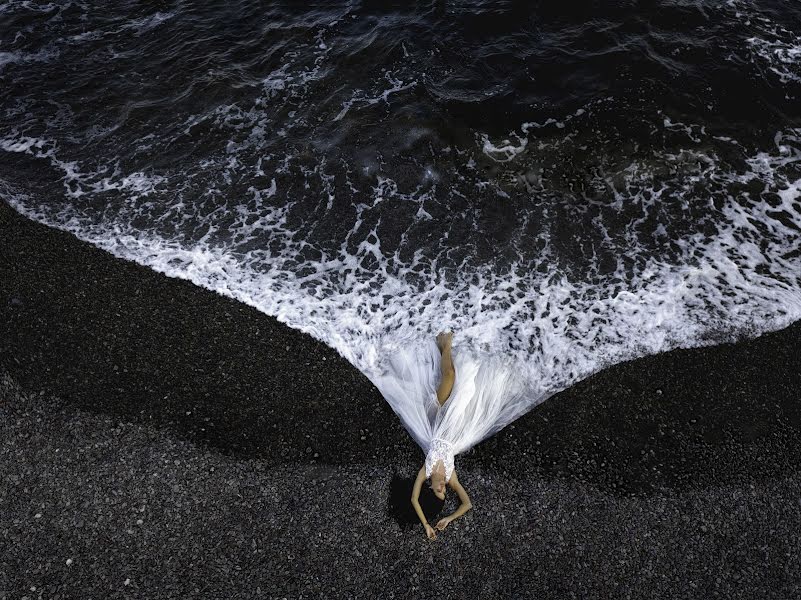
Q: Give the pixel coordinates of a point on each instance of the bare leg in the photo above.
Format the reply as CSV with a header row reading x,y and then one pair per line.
x,y
446,367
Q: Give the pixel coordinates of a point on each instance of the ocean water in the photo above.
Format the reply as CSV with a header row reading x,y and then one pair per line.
x,y
565,187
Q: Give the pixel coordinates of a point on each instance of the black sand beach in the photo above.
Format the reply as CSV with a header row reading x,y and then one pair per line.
x,y
161,441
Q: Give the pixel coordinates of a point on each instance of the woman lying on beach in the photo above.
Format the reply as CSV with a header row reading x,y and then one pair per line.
x,y
448,402
439,460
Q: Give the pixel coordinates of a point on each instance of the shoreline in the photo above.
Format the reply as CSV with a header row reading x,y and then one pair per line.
x,y
686,462
160,350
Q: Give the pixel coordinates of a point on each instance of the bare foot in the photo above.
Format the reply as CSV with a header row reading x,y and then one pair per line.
x,y
444,340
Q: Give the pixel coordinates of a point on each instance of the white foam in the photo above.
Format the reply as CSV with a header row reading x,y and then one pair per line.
x,y
743,280
12,58
360,99
665,285
772,45
30,5
505,150
783,57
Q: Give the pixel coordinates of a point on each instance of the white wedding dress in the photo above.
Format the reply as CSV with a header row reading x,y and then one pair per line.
x,y
487,395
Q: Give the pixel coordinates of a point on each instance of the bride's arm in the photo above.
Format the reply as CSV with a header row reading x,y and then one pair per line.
x,y
418,483
464,499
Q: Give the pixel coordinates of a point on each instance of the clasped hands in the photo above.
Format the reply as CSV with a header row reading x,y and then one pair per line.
x,y
440,526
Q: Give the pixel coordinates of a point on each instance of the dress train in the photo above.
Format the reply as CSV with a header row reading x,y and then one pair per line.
x,y
487,395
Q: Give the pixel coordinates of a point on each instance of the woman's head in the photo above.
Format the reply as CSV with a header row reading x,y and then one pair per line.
x,y
438,485
400,490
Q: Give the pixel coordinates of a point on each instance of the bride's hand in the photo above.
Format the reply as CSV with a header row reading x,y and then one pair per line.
x,y
443,523
430,532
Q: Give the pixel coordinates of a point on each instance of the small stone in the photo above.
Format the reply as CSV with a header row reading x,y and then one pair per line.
x,y
69,562
37,516
126,582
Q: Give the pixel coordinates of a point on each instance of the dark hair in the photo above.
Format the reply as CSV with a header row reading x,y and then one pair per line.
x,y
399,504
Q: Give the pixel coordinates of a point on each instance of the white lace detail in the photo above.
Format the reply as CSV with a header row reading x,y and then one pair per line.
x,y
440,450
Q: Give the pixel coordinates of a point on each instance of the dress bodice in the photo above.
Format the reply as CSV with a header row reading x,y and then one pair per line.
x,y
440,450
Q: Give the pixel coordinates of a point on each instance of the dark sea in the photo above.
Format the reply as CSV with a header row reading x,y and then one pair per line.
x,y
565,185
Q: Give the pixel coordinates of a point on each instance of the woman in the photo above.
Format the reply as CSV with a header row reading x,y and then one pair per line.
x,y
448,402
441,452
